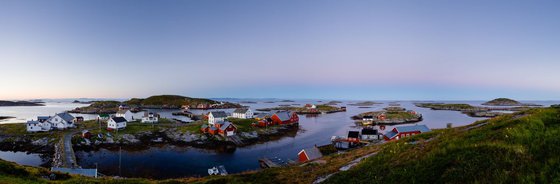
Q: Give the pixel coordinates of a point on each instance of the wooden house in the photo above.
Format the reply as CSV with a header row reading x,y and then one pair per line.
x,y
405,131
284,117
308,154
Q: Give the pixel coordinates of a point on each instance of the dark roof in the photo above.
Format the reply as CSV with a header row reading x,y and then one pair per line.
x,y
66,116
353,134
43,117
391,134
368,117
119,119
241,110
413,128
219,114
312,153
33,122
284,115
369,131
225,125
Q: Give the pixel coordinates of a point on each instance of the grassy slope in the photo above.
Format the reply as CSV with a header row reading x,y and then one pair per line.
x,y
518,148
506,150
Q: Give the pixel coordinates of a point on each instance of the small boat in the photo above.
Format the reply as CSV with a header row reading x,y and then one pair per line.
x,y
220,170
213,171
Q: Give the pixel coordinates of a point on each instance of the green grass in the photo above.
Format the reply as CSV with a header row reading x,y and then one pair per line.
x,y
506,150
243,125
193,127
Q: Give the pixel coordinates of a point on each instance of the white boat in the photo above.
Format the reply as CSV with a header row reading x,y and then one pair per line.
x,y
213,171
220,170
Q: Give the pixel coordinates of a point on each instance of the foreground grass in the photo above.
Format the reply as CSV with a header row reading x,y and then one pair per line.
x,y
510,149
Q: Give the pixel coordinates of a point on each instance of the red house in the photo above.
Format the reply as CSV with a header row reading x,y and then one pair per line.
x,y
222,128
226,128
405,131
284,117
308,154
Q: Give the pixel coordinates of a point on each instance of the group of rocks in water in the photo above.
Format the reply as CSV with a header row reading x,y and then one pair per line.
x,y
490,109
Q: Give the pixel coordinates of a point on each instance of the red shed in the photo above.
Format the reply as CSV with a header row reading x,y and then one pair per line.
x,y
308,154
284,117
405,131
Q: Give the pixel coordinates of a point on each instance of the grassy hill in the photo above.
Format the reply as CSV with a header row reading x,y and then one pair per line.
x,y
515,148
502,102
169,100
161,101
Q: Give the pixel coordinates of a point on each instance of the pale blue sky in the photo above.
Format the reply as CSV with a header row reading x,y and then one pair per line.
x,y
286,49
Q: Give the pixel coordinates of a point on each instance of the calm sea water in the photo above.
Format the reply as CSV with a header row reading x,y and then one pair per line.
x,y
172,161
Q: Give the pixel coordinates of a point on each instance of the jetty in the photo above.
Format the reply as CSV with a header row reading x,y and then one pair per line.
x,y
272,162
65,158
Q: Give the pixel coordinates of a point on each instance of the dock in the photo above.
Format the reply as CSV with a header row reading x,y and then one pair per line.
x,y
272,162
235,139
78,171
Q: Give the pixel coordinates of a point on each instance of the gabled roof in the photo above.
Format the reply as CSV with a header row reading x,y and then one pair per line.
x,y
284,115
33,122
43,117
241,110
413,128
218,114
118,119
104,115
262,115
225,125
369,131
312,153
66,116
353,134
391,134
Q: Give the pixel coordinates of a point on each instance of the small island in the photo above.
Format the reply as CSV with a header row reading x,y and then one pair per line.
x,y
154,102
5,117
366,103
507,102
388,116
307,109
472,111
4,103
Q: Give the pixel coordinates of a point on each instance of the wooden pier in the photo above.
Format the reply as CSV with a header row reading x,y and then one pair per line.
x,y
272,162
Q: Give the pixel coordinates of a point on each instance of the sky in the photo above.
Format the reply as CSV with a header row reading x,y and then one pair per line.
x,y
377,50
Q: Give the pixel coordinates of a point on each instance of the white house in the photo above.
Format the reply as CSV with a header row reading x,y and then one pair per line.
x,y
243,113
216,117
128,115
34,126
150,117
116,123
369,134
62,121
